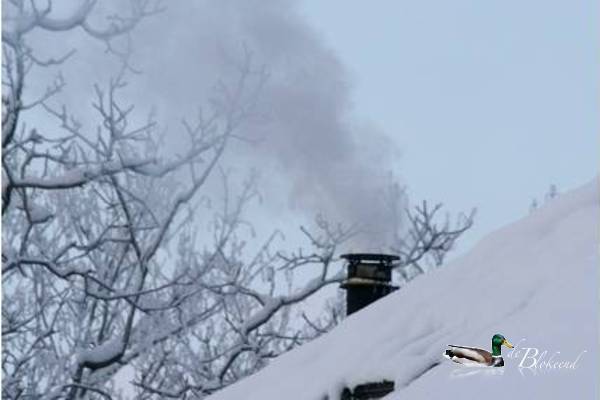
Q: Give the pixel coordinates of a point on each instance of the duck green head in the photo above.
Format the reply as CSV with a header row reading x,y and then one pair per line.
x,y
497,341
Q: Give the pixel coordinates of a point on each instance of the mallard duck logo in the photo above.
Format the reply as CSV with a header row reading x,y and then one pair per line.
x,y
472,356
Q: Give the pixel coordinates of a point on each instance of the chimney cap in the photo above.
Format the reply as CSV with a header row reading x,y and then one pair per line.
x,y
373,257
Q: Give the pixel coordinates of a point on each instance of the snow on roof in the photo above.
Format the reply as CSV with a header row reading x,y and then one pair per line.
x,y
534,281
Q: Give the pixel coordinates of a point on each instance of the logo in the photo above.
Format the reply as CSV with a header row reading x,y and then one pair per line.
x,y
535,359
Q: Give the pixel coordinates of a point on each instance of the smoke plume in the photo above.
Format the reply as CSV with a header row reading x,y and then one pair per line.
x,y
310,149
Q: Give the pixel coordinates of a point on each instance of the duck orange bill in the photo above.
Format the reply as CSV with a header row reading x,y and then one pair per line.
x,y
507,344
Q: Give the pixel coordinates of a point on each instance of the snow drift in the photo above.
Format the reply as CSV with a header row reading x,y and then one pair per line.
x,y
535,281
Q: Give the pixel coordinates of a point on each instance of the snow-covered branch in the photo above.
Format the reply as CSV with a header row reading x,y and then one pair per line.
x,y
89,215
428,239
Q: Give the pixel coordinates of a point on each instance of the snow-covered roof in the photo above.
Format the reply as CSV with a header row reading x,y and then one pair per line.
x,y
534,281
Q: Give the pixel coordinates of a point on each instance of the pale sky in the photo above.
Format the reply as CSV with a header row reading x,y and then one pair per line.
x,y
490,102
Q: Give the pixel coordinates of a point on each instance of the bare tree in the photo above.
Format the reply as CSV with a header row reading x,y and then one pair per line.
x,y
428,241
251,303
90,217
421,237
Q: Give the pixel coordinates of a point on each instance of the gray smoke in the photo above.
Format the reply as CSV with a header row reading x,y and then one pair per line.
x,y
325,159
